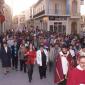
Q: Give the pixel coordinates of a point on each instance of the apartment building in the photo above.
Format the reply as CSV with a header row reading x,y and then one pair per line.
x,y
62,16
6,12
18,21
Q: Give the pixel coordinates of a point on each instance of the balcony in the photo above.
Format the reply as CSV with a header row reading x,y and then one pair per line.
x,y
76,15
55,12
39,14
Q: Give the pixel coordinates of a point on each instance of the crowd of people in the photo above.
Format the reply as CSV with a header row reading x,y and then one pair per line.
x,y
64,55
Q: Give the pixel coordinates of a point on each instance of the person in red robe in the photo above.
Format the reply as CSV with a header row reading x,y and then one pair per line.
x,y
63,63
77,75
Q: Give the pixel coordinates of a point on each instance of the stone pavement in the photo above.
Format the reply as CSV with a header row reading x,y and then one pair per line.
x,y
21,78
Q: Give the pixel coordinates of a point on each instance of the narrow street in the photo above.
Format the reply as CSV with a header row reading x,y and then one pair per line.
x,y
21,78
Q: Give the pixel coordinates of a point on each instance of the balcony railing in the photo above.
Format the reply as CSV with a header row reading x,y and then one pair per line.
x,y
39,14
56,12
75,15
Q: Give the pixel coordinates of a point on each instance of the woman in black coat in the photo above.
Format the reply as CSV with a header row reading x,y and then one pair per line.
x,y
5,54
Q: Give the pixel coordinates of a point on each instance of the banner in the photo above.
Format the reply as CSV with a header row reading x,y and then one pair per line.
x,y
68,7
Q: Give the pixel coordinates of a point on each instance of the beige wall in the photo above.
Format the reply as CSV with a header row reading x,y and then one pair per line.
x,y
50,6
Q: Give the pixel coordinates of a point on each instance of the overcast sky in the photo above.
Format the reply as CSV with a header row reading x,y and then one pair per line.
x,y
20,5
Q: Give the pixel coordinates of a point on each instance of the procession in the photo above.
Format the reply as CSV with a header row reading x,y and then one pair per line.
x,y
45,50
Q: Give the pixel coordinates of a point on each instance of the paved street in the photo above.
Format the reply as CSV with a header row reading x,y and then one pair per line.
x,y
20,78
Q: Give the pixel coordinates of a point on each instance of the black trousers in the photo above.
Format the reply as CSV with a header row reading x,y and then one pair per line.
x,y
15,62
42,71
50,66
22,65
30,71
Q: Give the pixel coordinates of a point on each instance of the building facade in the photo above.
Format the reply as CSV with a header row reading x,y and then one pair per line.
x,y
29,18
8,17
18,21
6,12
62,16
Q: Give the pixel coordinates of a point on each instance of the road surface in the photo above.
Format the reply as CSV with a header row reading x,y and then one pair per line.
x,y
21,78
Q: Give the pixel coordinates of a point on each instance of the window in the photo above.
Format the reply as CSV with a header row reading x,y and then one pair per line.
x,y
43,7
51,28
55,27
58,8
59,27
64,29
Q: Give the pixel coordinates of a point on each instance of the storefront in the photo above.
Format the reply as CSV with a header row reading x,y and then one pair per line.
x,y
57,24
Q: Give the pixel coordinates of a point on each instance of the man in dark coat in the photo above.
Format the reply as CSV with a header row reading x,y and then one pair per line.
x,y
14,50
5,54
